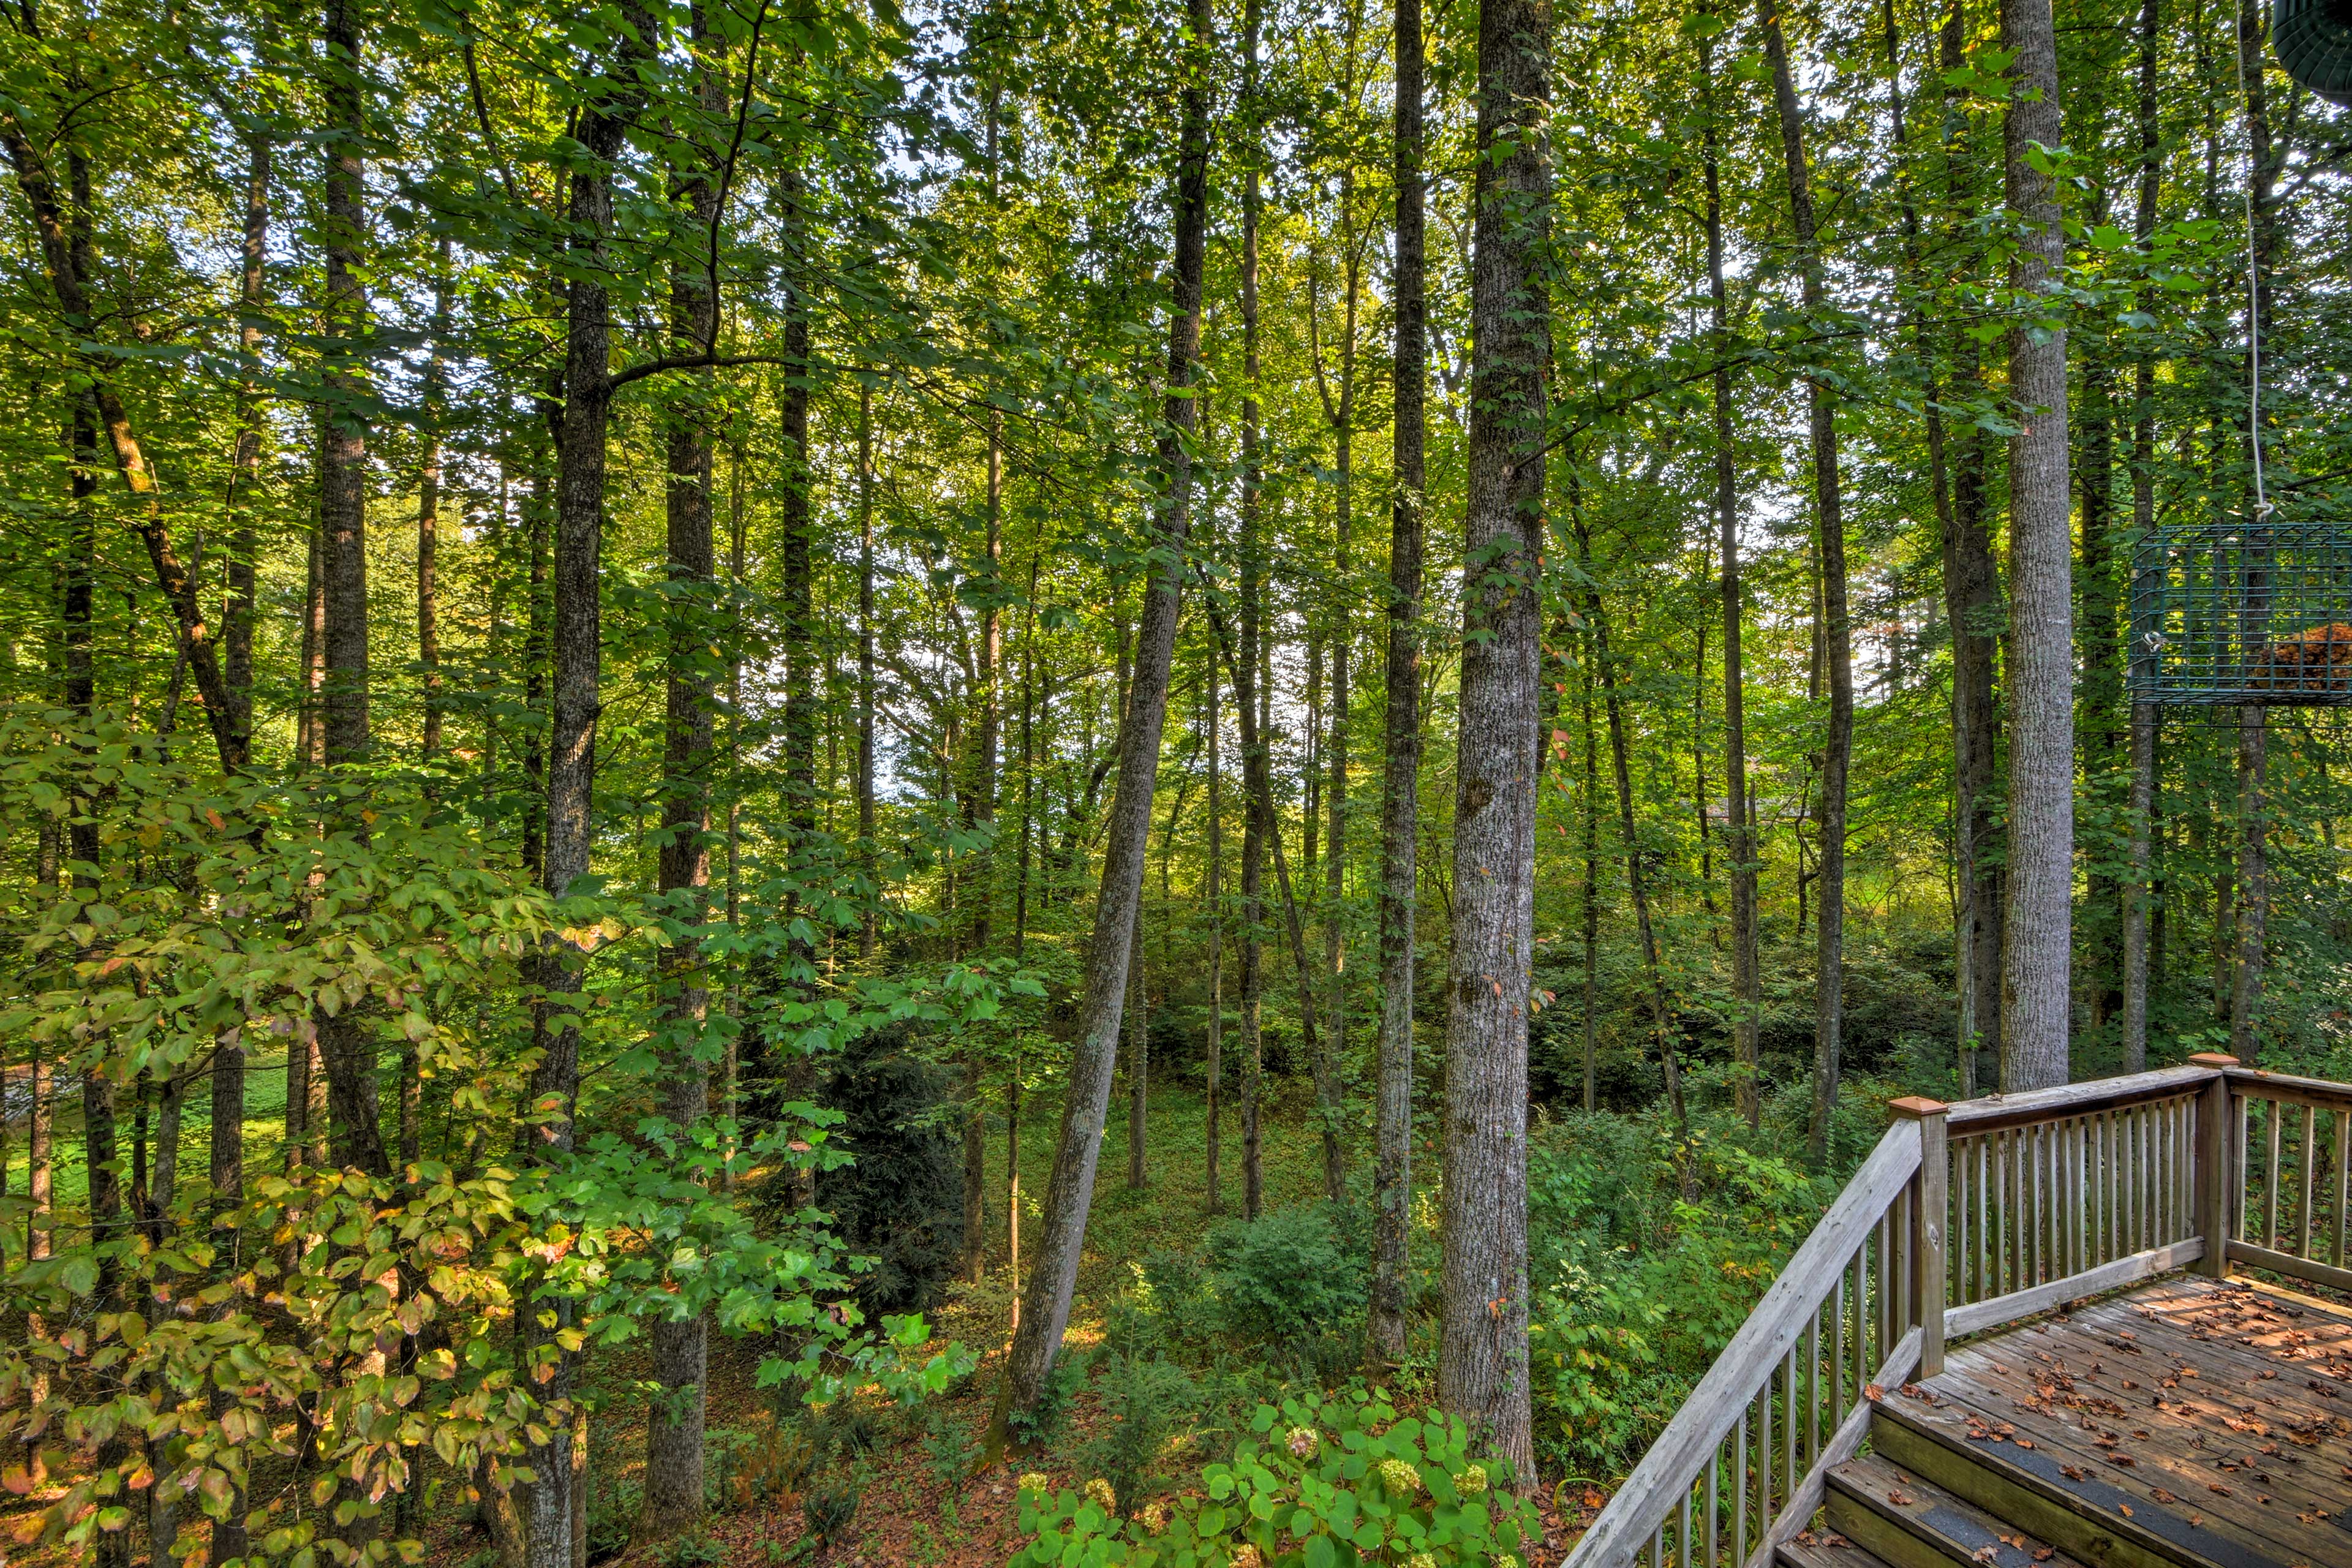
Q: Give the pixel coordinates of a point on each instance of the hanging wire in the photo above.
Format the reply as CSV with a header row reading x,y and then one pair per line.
x,y
2253,276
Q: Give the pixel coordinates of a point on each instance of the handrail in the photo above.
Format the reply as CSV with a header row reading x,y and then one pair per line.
x,y
1686,1453
2303,1226
2074,1099
2040,1198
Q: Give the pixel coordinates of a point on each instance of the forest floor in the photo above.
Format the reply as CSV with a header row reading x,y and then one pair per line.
x,y
922,1504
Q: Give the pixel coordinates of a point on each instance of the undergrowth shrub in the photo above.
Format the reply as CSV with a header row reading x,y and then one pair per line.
x,y
1647,1255
1144,1400
1320,1481
1285,1276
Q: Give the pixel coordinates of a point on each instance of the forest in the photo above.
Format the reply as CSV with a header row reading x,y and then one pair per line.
x,y
1094,781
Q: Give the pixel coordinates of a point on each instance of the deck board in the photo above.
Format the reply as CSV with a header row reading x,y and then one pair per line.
x,y
2215,1402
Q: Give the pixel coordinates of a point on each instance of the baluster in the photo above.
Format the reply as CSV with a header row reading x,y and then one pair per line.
x,y
2305,1230
1764,1455
1714,1535
1813,1387
2070,1144
1658,1546
2109,1233
1860,1330
2038,1146
2142,1182
2245,1164
1789,1433
1837,1352
1683,1559
2343,1181
2271,1109
1739,1502
1984,1260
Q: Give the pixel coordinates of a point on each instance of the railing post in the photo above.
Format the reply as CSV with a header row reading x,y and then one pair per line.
x,y
2216,1165
1931,1201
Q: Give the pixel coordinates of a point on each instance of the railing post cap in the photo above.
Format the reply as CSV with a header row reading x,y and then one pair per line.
x,y
1918,1107
2212,1059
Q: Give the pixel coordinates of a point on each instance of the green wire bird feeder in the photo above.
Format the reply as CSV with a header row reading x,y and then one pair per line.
x,y
2242,615
2314,42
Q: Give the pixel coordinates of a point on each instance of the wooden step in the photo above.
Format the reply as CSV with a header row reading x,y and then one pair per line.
x,y
2109,1517
1911,1524
1825,1550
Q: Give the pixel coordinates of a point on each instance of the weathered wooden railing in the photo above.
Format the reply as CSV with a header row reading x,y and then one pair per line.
x,y
1967,1217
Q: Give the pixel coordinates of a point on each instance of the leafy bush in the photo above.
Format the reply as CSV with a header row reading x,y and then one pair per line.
x,y
949,1447
1285,1277
770,1464
1648,1256
1326,1482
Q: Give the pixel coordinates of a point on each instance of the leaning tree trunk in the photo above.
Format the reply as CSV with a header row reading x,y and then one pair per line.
x,y
1400,799
1482,1366
1053,1277
2036,979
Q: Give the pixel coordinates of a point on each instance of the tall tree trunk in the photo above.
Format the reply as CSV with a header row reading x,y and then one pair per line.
x,y
1139,1054
537,640
1400,776
1746,983
576,702
1245,681
1834,634
1591,890
673,1496
1046,1308
346,1038
870,926
1973,606
244,476
429,508
2138,891
2035,980
979,799
2254,721
1482,1367
1212,1176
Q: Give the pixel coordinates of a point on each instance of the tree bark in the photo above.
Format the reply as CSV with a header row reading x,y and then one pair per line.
x,y
244,476
1481,1368
868,927
576,703
1835,636
1045,1306
1213,1175
1739,845
673,1494
1246,682
2035,980
1972,599
1138,1054
1401,778
428,508
2138,891
346,1039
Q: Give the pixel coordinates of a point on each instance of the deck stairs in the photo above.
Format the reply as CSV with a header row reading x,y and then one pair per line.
x,y
2024,1337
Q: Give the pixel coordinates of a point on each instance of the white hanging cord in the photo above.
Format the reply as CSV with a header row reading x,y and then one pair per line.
x,y
2253,278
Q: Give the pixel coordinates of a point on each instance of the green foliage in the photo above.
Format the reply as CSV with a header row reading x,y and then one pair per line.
x,y
1038,1426
696,1548
901,1203
830,1511
1653,1253
1320,1483
1285,1277
1142,1401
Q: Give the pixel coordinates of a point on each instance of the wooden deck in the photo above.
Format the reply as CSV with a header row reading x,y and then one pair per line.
x,y
2188,1424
